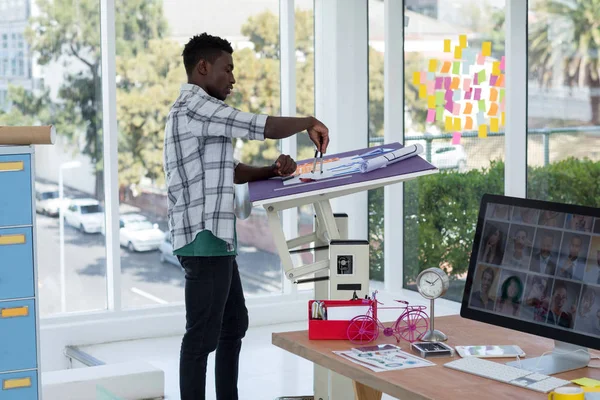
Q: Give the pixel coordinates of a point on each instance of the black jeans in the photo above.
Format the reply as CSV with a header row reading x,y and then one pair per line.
x,y
216,319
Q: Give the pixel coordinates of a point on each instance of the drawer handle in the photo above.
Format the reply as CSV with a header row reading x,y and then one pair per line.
x,y
14,312
12,166
12,239
16,383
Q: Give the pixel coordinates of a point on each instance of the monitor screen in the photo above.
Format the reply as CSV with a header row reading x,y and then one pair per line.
x,y
535,267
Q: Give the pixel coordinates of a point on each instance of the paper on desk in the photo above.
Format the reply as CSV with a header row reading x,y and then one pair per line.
x,y
345,313
587,382
385,360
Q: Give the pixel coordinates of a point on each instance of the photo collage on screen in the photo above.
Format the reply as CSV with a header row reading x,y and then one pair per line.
x,y
539,266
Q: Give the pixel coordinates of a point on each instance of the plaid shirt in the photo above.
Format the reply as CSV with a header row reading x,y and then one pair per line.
x,y
199,164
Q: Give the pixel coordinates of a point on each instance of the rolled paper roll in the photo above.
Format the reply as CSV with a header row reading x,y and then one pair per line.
x,y
25,135
390,158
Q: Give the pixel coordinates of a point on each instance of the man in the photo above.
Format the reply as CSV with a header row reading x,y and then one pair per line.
x,y
481,299
586,319
519,256
573,267
200,174
543,261
556,316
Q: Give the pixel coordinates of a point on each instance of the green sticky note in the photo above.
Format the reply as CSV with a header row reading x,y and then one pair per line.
x,y
482,105
481,76
501,94
439,98
587,382
439,114
456,67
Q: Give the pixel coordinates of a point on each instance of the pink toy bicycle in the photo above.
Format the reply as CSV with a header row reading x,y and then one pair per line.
x,y
411,325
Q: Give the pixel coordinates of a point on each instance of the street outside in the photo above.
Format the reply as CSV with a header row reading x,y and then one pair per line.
x,y
145,280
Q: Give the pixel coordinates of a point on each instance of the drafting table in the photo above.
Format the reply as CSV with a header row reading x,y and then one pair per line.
x,y
276,195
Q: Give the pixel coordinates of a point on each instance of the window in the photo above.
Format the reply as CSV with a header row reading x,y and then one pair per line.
x,y
563,142
76,111
149,67
453,107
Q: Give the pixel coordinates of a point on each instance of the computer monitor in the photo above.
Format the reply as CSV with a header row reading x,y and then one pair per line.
x,y
535,268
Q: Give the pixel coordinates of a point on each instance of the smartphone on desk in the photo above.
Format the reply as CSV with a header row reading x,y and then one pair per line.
x,y
490,351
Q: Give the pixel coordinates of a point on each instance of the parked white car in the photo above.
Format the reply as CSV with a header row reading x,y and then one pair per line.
x,y
47,200
449,156
166,251
139,234
86,215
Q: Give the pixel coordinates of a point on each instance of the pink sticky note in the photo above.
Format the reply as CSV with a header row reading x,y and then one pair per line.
x,y
468,94
475,79
456,138
493,80
439,81
447,82
423,76
467,84
456,109
480,59
449,95
431,87
450,106
503,104
431,115
502,63
477,94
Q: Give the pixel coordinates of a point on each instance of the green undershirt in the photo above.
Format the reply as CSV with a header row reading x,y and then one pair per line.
x,y
205,244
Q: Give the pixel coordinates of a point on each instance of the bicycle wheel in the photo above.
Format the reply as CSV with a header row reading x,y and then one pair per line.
x,y
362,329
412,326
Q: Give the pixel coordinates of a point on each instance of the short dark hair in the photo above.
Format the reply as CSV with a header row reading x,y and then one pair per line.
x,y
206,47
488,271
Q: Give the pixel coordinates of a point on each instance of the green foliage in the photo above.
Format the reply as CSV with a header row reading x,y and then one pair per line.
x,y
440,211
567,34
69,32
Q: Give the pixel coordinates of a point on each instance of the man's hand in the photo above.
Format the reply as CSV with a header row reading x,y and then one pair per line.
x,y
319,134
285,165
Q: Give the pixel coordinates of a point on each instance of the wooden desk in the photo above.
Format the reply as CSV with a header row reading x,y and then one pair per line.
x,y
436,382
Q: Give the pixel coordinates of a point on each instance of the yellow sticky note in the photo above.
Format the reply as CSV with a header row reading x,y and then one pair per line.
x,y
468,108
422,91
457,124
468,124
496,68
447,45
416,78
462,40
486,49
446,67
493,124
448,124
432,65
458,52
430,101
587,382
482,131
503,118
493,94
493,110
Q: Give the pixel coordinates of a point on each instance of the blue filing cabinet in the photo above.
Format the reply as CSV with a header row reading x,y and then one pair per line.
x,y
20,376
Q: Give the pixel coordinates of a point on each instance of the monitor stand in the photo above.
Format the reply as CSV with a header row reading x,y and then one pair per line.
x,y
564,357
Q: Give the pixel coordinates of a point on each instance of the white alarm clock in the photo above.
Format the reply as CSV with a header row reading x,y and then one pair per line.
x,y
433,283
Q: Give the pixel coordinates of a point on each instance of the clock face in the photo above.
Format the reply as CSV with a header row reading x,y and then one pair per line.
x,y
431,285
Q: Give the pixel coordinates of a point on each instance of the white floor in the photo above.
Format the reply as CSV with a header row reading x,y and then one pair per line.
x,y
266,372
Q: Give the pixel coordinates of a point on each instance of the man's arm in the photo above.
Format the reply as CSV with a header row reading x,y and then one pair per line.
x,y
283,127
284,166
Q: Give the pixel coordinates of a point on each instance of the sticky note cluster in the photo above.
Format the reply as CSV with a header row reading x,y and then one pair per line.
x,y
464,89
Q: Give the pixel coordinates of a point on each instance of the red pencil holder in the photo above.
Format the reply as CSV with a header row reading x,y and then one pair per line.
x,y
325,329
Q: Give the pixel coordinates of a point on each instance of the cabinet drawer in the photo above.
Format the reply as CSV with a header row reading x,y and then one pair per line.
x,y
19,386
16,263
17,336
16,191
